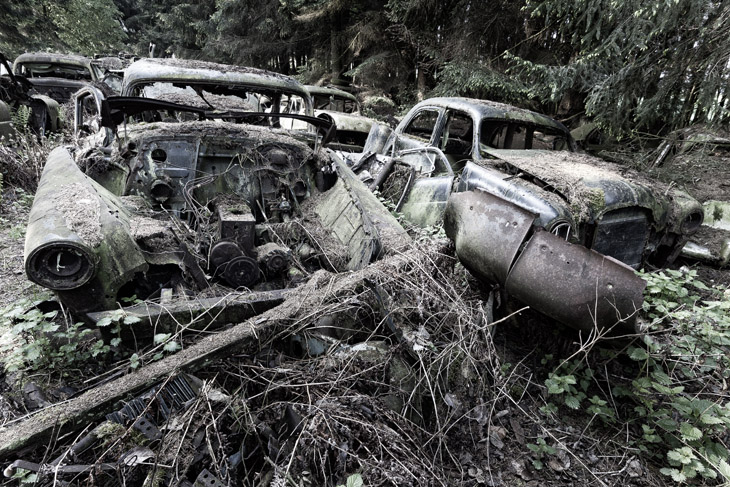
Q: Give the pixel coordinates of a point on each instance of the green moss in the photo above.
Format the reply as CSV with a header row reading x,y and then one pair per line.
x,y
596,200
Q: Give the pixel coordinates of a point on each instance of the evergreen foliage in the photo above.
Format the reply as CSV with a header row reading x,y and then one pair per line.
x,y
648,65
85,27
633,65
641,65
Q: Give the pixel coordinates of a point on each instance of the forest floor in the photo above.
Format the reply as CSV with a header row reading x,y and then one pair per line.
x,y
474,399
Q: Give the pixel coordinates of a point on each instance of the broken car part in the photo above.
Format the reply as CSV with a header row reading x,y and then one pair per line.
x,y
568,282
15,92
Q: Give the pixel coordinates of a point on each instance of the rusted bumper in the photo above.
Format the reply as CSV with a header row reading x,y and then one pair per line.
x,y
570,283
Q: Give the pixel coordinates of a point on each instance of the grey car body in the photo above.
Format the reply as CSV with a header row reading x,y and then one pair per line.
x,y
160,197
15,92
146,72
342,109
450,157
58,75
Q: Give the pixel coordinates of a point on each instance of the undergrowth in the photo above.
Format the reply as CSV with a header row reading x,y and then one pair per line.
x,y
44,342
660,396
23,158
667,387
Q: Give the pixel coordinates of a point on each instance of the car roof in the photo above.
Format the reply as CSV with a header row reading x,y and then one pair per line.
x,y
323,90
480,109
53,57
171,70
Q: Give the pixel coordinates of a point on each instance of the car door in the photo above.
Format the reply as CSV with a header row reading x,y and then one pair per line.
x,y
419,131
428,186
456,139
430,177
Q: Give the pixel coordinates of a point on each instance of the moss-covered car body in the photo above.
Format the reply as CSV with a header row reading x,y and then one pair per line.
x,y
57,75
696,159
499,178
196,202
338,107
44,113
173,79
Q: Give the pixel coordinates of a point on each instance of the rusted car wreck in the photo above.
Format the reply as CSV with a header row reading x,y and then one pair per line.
x,y
15,92
57,75
337,107
558,230
696,159
187,193
194,201
216,217
343,109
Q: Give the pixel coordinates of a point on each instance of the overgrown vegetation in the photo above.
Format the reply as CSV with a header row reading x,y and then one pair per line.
x,y
45,344
460,384
22,159
665,390
80,26
466,397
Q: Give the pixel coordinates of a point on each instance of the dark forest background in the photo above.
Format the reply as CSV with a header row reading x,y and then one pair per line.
x,y
634,66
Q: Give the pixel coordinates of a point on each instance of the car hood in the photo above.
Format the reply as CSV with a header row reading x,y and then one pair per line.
x,y
66,83
589,184
207,129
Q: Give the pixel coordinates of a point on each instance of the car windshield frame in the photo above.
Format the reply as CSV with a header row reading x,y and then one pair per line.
x,y
511,125
54,70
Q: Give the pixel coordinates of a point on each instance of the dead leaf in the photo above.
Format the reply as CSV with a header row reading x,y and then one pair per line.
x,y
560,461
520,469
634,469
517,430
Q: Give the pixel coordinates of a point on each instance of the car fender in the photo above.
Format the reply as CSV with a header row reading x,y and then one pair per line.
x,y
581,288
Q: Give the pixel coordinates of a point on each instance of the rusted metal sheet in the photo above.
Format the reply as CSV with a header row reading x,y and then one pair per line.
x,y
377,138
575,285
487,231
350,212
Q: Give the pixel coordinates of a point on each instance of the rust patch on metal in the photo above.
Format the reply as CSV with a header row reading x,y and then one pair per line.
x,y
576,286
488,232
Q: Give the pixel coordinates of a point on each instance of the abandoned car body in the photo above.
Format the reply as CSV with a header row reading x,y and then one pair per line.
x,y
57,75
696,159
199,202
344,110
338,107
558,230
16,92
211,85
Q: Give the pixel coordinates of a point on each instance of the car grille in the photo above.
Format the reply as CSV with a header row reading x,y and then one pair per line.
x,y
622,234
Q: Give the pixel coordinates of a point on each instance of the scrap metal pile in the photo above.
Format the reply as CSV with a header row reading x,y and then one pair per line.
x,y
319,338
